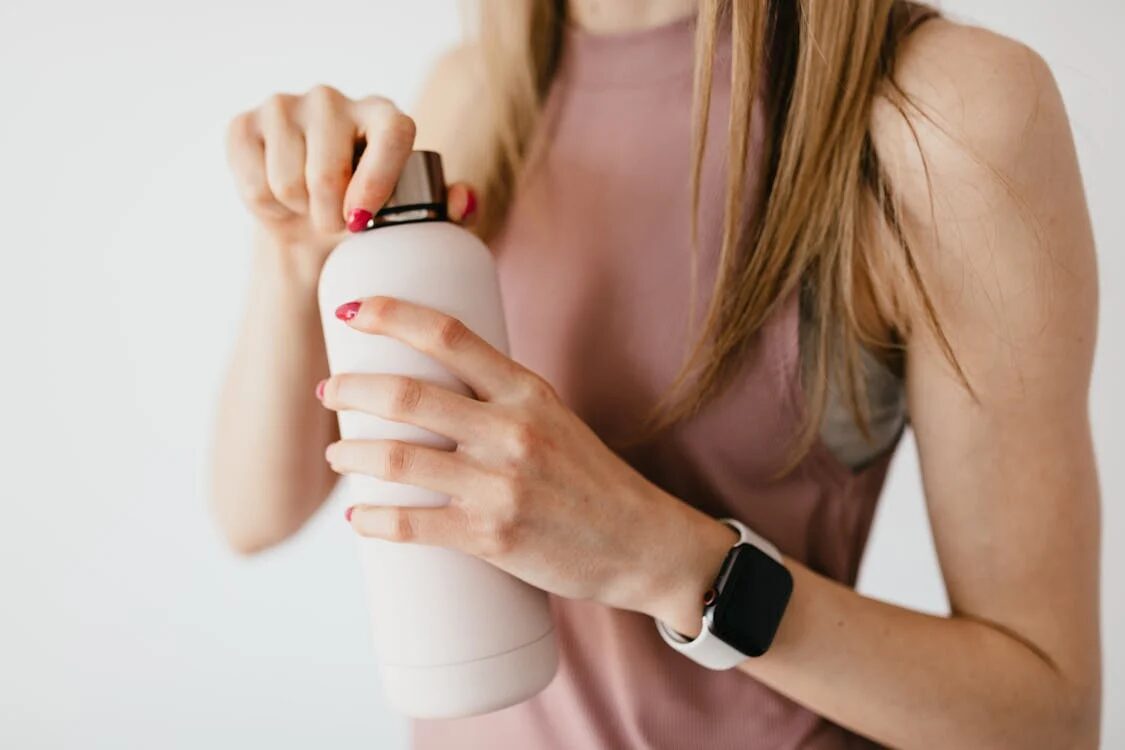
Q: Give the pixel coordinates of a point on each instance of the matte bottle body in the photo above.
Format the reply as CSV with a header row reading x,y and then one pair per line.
x,y
454,635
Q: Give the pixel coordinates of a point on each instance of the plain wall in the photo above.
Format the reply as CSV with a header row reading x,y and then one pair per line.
x,y
123,620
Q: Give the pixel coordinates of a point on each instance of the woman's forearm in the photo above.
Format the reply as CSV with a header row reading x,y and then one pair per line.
x,y
269,473
907,679
1023,672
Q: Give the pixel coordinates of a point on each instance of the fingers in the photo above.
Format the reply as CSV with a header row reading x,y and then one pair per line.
x,y
490,530
440,527
403,399
246,155
447,472
293,156
329,136
487,371
285,152
390,137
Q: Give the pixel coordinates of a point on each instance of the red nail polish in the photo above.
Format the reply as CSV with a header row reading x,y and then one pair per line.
x,y
358,219
347,311
320,389
470,205
348,513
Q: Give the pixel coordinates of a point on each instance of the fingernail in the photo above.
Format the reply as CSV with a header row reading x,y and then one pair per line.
x,y
348,513
470,204
320,389
347,311
358,218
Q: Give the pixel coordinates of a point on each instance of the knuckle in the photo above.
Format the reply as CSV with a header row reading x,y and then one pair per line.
x,y
330,180
322,105
323,95
525,440
405,396
535,388
400,526
403,125
451,333
500,539
290,189
277,107
511,496
379,309
241,127
397,460
337,387
261,199
498,534
376,102
399,130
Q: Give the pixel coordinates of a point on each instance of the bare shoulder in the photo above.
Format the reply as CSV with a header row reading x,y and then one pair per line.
x,y
444,111
977,147
976,100
989,90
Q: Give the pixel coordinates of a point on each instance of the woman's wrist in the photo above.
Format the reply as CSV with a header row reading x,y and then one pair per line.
x,y
683,567
294,265
282,316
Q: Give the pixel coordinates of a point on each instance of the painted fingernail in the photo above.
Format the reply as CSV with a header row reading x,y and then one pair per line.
x,y
470,205
320,389
358,219
347,311
348,513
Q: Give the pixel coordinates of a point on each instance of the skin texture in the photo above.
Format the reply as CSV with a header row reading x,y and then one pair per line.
x,y
608,17
1005,249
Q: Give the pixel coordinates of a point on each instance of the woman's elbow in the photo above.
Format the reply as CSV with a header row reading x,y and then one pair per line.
x,y
247,542
1079,723
1069,717
247,528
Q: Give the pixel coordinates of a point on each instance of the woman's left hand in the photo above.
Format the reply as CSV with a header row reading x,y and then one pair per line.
x,y
533,490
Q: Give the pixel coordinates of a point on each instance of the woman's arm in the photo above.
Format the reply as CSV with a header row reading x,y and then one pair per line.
x,y
1009,477
268,473
292,160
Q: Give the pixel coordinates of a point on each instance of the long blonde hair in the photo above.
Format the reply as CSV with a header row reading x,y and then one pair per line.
x,y
824,198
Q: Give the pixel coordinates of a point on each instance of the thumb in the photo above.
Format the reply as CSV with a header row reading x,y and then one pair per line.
x,y
461,200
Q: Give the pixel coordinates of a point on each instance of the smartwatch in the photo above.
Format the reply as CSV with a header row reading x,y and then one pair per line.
x,y
743,607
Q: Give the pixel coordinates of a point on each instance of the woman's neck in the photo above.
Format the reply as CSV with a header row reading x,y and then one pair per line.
x,y
612,16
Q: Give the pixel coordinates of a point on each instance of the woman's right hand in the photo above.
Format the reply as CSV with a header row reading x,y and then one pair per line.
x,y
292,161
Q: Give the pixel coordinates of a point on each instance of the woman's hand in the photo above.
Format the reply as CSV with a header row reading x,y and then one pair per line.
x,y
534,491
292,159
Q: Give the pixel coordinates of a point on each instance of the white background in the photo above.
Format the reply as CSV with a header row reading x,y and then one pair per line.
x,y
123,621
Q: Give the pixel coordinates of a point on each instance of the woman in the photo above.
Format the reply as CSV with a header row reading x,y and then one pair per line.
x,y
878,212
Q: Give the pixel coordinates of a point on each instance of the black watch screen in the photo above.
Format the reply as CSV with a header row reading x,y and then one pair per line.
x,y
752,592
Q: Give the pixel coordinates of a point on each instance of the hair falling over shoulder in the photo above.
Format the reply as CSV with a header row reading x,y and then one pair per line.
x,y
825,202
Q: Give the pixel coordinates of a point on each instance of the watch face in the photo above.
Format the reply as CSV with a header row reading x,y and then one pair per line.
x,y
752,600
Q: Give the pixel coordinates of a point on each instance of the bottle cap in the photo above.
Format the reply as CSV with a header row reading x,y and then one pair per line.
x,y
419,194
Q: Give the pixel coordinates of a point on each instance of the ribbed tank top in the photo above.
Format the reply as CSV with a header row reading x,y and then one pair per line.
x,y
594,262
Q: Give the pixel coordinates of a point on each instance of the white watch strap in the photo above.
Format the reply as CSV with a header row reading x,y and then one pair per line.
x,y
746,535
707,649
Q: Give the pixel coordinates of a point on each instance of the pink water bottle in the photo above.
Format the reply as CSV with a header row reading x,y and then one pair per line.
x,y
453,635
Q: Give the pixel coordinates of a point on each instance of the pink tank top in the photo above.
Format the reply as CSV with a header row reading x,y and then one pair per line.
x,y
595,267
